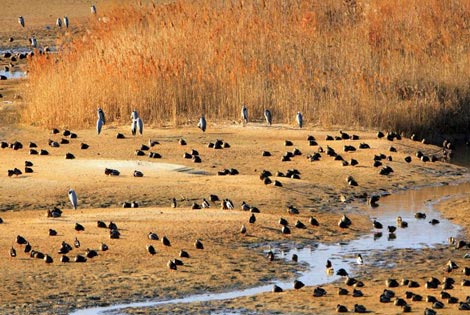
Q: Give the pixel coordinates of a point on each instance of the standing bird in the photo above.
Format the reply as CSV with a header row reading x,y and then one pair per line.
x,y
299,119
244,114
134,127
58,22
202,123
101,115
268,116
21,21
140,125
93,9
134,114
66,22
73,198
99,125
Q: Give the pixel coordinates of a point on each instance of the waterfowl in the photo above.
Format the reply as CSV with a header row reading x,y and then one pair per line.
x,y
343,291
359,259
12,252
341,308
21,240
349,281
99,125
319,292
112,225
342,272
138,173
64,259
151,250
344,222
420,215
104,247
27,248
205,203
21,21
80,259
244,114
299,118
285,229
268,116
357,293
76,243
153,236
270,255
359,308
173,203
183,254
52,232
300,225
48,259
101,224
295,258
391,283
313,221
277,289
171,265
166,241
114,234
66,21
298,284
377,225
202,124
79,227
198,244
73,200
54,213
243,229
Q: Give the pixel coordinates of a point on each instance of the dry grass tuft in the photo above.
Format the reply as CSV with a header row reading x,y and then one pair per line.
x,y
394,64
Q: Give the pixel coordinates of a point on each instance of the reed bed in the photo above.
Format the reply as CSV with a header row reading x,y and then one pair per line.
x,y
395,64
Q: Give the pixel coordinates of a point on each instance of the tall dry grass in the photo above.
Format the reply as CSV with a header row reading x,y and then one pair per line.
x,y
396,64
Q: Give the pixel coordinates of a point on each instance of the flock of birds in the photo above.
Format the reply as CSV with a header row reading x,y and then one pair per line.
x,y
64,21
173,264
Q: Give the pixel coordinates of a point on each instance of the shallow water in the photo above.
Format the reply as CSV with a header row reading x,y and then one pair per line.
x,y
419,234
13,74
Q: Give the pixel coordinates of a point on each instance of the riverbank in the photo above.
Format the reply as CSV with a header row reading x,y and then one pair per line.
x,y
126,272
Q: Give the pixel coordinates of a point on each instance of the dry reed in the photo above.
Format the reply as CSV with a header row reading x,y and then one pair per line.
x,y
395,64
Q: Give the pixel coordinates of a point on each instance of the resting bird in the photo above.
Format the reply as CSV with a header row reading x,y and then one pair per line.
x,y
244,114
268,116
202,123
73,198
299,119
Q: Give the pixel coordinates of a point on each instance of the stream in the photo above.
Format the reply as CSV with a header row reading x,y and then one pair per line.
x,y
419,234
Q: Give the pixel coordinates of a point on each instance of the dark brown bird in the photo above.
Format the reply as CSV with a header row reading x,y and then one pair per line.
x,y
198,244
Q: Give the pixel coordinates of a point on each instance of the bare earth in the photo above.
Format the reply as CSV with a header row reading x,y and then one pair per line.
x,y
126,272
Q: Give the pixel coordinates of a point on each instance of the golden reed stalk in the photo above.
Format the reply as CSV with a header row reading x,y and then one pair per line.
x,y
396,64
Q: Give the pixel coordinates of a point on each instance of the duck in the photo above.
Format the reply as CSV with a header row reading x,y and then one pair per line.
x,y
198,244
166,241
151,250
153,236
252,218
359,259
243,229
12,252
79,227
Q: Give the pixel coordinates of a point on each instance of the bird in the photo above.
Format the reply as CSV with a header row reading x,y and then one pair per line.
x,y
21,21
173,203
73,198
99,125
244,114
243,229
166,241
171,265
59,22
79,227
202,124
140,125
151,250
27,248
252,218
66,22
76,243
134,127
153,236
329,267
134,114
33,41
359,259
299,119
93,9
12,252
377,224
198,244
101,115
268,116
205,203
21,240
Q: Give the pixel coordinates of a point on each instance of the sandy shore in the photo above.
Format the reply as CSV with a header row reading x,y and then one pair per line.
x,y
126,272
